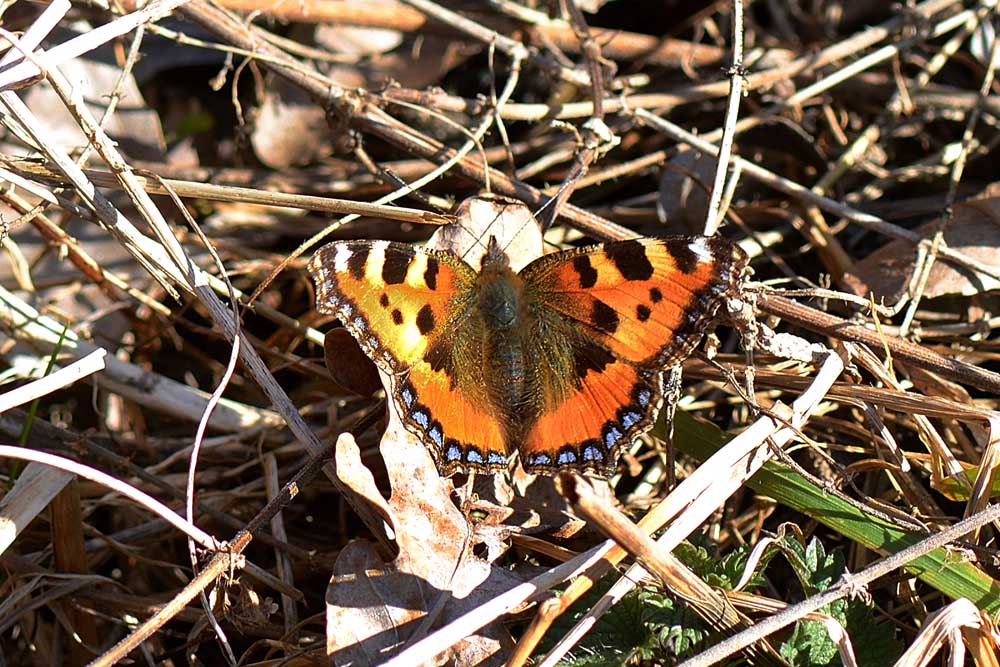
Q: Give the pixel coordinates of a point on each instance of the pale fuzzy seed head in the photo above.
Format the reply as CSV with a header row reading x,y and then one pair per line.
x,y
700,248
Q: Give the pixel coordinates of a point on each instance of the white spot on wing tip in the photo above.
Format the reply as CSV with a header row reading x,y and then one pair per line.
x,y
340,258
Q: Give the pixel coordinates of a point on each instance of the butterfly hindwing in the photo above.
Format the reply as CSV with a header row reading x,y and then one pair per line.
x,y
400,303
461,432
605,409
637,307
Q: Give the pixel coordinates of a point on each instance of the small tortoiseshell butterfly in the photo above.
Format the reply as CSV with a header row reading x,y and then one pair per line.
x,y
561,363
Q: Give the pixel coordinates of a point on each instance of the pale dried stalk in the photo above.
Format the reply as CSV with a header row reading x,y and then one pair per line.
x,y
465,625
89,364
115,484
12,75
152,390
793,189
713,217
708,487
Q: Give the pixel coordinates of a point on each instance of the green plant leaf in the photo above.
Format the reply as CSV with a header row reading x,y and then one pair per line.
x,y
722,571
810,645
645,626
941,570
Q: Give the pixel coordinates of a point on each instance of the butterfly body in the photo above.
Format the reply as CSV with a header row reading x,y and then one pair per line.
x,y
500,349
560,363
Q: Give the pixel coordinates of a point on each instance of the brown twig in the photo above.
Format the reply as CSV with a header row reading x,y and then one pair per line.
x,y
225,560
617,44
903,350
595,136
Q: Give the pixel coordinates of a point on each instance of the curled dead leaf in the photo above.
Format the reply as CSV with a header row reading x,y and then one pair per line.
x,y
974,231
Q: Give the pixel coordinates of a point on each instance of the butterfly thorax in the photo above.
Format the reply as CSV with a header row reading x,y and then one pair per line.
x,y
500,299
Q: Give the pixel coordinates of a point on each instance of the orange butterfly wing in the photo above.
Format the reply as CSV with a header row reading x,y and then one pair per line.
x,y
638,308
402,304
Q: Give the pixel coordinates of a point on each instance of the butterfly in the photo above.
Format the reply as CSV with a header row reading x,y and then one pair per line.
x,y
561,363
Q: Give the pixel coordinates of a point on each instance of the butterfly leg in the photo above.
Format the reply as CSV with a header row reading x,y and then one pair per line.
x,y
671,394
467,494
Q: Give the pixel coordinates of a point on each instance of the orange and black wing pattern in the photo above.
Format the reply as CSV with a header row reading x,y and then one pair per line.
x,y
637,308
402,304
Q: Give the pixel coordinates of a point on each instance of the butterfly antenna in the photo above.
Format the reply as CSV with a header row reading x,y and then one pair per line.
x,y
493,246
494,253
479,232
476,237
544,217
535,219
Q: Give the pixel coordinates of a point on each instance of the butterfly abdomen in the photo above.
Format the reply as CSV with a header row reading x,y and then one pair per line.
x,y
502,316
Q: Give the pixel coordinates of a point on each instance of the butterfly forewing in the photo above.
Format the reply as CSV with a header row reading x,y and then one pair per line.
x,y
647,300
392,297
562,362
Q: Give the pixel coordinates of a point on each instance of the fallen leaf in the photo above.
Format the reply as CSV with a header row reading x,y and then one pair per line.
x,y
974,231
348,364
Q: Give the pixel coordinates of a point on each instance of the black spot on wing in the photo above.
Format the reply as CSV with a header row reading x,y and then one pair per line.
x,y
425,320
655,295
642,312
397,316
588,274
356,262
604,317
438,357
394,268
629,257
431,272
384,300
684,258
589,356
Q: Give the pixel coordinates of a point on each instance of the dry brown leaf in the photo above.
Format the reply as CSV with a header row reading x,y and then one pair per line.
x,y
973,231
348,365
291,129
683,194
